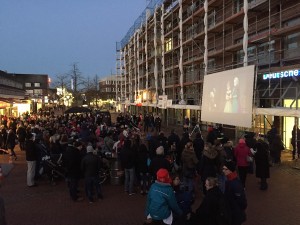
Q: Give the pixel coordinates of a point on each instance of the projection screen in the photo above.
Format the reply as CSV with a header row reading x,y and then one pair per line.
x,y
227,97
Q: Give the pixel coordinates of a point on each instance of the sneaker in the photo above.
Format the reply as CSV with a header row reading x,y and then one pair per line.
x,y
132,193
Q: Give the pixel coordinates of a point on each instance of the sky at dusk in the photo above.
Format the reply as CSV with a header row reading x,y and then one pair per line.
x,y
48,36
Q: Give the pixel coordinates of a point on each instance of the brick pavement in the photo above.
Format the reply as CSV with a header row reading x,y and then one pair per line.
x,y
50,205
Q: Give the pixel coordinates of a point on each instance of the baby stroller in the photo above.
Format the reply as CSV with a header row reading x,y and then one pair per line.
x,y
52,167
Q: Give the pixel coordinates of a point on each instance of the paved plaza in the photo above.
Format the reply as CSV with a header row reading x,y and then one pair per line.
x,y
51,205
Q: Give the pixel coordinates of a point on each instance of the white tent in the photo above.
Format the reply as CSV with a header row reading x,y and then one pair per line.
x,y
278,111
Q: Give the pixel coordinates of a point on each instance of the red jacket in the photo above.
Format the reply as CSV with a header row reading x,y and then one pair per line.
x,y
241,152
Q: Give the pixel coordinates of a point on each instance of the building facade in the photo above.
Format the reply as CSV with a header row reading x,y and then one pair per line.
x,y
36,88
12,95
165,55
108,87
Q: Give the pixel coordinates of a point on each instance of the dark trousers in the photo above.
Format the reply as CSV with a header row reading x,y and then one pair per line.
x,y
243,170
73,187
22,145
90,183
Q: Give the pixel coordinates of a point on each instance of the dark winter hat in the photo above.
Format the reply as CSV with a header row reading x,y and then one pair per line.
x,y
230,165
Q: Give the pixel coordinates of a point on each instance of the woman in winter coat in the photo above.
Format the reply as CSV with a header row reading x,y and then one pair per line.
x,y
209,163
241,153
142,164
261,157
207,213
189,163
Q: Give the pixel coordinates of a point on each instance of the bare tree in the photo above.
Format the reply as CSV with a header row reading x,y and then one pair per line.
x,y
77,82
61,81
91,89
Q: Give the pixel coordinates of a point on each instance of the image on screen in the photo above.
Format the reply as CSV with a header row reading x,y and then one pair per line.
x,y
227,97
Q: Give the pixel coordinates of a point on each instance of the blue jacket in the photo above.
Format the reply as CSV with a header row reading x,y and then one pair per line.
x,y
161,201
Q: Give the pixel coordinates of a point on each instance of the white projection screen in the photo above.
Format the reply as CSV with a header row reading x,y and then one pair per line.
x,y
227,97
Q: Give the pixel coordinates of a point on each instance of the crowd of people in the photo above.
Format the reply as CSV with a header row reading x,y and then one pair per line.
x,y
167,168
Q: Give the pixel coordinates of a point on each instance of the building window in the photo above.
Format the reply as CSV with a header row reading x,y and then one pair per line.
x,y
27,84
211,19
37,84
169,44
238,5
38,91
292,45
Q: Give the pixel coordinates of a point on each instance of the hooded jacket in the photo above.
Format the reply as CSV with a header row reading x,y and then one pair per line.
x,y
161,201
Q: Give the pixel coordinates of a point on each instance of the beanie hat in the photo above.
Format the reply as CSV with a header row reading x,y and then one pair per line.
x,y
242,141
163,176
89,149
160,150
230,165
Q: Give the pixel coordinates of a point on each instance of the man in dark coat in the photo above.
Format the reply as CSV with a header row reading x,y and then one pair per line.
x,y
158,162
128,160
90,166
235,193
261,156
21,132
198,144
71,161
157,123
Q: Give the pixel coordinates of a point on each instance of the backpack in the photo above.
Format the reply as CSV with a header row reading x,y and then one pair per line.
x,y
224,216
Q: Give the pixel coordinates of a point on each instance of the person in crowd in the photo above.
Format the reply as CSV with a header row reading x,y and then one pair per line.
x,y
163,140
183,141
161,203
146,122
109,142
158,162
128,159
186,124
11,143
228,149
142,165
21,133
151,119
198,144
208,211
271,134
261,155
4,137
174,139
63,143
276,147
235,193
189,164
90,166
31,157
241,153
296,141
157,123
184,200
72,163
209,164
153,144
